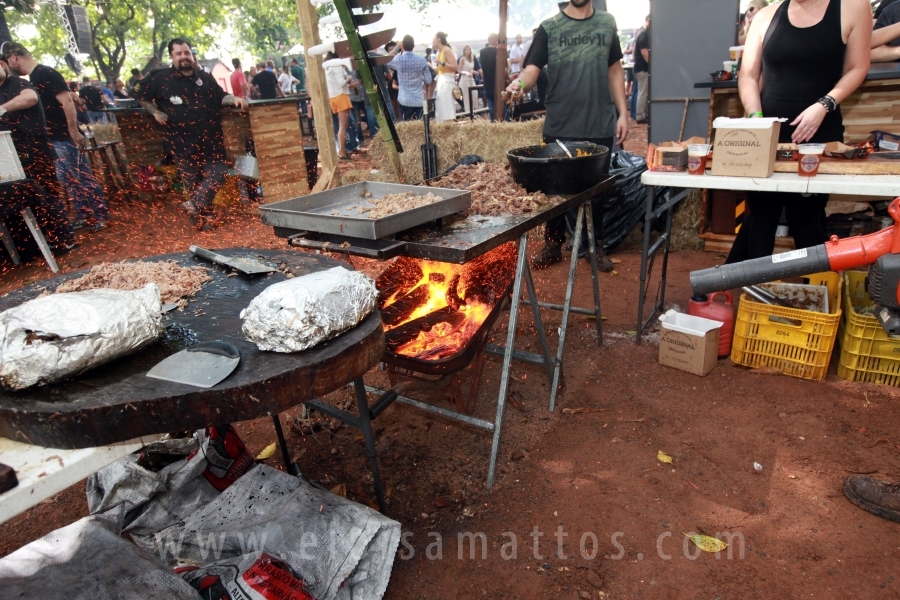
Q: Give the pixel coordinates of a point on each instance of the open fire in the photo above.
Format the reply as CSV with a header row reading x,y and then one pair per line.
x,y
431,310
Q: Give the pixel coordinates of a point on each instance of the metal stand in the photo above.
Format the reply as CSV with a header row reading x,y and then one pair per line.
x,y
648,255
9,244
35,230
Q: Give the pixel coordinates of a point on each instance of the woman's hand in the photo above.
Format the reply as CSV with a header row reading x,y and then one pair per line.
x,y
808,123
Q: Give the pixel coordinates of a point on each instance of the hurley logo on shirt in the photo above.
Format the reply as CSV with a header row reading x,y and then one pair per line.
x,y
583,40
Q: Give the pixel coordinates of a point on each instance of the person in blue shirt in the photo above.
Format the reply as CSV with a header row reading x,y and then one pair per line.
x,y
413,73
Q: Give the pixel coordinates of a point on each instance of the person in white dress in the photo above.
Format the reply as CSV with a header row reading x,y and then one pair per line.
x,y
445,62
467,70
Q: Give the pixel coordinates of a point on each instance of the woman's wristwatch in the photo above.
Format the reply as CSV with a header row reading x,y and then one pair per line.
x,y
829,103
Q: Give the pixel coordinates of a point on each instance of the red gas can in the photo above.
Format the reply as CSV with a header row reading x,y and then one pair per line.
x,y
708,308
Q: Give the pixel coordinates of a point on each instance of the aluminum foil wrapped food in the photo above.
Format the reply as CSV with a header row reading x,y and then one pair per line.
x,y
61,335
299,313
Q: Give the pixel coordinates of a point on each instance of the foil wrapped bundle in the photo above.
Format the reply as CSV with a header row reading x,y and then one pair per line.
x,y
299,313
61,335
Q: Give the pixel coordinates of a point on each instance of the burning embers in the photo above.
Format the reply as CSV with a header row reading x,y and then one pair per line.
x,y
431,310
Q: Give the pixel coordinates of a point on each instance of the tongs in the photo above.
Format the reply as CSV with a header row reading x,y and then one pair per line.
x,y
766,297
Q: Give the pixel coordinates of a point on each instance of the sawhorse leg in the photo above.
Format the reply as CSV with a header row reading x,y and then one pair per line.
x,y
9,244
35,230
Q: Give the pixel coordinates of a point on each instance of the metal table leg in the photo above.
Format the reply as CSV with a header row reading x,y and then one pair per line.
x,y
9,244
648,253
592,250
538,322
567,304
507,356
35,230
365,424
289,467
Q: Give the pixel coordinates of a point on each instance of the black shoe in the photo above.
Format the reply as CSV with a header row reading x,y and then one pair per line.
x,y
63,249
604,265
549,255
877,497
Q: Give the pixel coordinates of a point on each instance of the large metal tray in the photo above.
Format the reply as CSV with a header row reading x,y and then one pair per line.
x,y
337,211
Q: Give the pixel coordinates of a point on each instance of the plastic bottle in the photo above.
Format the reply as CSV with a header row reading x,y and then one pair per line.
x,y
708,308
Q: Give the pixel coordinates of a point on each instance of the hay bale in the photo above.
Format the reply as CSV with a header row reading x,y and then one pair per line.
x,y
454,140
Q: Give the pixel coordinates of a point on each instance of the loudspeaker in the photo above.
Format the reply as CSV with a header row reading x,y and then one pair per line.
x,y
78,20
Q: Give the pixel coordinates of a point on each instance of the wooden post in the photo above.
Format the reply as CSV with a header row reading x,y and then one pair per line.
x,y
501,68
318,93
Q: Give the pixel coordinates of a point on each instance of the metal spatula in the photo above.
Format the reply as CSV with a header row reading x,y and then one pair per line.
x,y
202,365
250,267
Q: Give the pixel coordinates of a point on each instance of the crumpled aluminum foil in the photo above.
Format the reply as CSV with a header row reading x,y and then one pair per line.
x,y
57,336
299,313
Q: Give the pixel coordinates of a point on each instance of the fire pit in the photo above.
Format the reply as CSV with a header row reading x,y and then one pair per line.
x,y
437,315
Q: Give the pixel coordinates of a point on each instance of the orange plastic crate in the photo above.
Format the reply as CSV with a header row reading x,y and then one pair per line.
x,y
867,353
802,351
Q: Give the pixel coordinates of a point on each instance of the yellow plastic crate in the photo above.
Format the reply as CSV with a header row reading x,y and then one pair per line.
x,y
802,351
867,353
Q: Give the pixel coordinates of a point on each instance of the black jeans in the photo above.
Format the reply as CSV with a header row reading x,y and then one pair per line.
x,y
410,113
555,229
805,217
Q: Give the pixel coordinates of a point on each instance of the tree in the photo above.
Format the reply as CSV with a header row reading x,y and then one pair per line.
x,y
267,27
112,23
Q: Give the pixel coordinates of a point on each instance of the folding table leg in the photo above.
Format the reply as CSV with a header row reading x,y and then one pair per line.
x,y
9,244
645,251
507,356
292,468
32,224
592,249
567,304
538,322
365,424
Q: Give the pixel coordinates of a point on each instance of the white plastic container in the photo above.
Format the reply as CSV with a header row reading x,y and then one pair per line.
x,y
688,343
10,165
735,52
730,66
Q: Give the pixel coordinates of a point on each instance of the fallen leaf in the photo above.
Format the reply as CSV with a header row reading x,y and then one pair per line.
x,y
631,332
267,452
518,402
340,490
615,261
575,411
614,272
663,457
706,543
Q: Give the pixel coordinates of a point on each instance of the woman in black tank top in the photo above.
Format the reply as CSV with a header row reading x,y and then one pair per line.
x,y
802,74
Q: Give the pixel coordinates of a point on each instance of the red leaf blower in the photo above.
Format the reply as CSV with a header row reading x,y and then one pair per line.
x,y
880,251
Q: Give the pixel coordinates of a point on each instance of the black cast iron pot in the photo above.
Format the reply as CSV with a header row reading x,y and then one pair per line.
x,y
548,169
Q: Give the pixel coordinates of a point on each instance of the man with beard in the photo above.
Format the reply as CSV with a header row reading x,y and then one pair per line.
x,y
580,48
22,115
188,103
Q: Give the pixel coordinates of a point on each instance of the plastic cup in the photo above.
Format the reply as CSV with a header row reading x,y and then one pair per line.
x,y
810,158
730,65
697,156
735,52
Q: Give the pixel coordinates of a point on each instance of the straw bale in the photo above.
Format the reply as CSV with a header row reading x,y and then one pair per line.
x,y
454,140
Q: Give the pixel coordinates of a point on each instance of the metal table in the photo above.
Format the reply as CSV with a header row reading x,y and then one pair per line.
x,y
118,402
863,185
461,241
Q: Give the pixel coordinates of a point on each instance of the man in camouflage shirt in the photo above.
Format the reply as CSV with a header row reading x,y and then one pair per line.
x,y
586,97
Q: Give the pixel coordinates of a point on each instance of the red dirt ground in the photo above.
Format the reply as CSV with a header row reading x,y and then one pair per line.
x,y
794,533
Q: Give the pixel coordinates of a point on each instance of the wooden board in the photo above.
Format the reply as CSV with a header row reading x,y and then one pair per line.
x,y
279,149
839,166
119,402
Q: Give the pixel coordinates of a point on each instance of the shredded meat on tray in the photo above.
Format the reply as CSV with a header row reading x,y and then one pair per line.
x,y
494,192
175,282
391,204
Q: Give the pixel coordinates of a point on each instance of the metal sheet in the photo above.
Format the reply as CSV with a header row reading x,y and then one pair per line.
x,y
337,211
459,242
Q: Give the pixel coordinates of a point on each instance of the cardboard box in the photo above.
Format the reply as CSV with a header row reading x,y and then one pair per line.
x,y
670,156
745,147
688,343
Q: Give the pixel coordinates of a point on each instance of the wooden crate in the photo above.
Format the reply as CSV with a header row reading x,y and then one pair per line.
x,y
279,148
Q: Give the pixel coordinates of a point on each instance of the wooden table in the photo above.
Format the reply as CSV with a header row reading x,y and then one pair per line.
x,y
118,402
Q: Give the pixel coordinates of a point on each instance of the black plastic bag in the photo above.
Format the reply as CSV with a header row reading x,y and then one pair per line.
x,y
468,159
617,210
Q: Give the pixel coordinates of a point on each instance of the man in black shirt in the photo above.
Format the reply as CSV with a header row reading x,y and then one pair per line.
x,y
188,104
642,71
21,114
266,83
886,36
93,101
585,100
72,168
488,59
